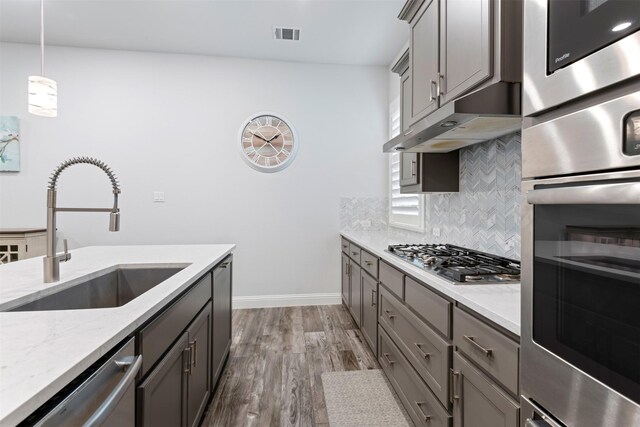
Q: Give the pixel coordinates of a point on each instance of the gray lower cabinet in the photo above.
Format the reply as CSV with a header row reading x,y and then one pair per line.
x,y
221,338
177,390
162,397
369,320
355,292
477,401
199,375
345,279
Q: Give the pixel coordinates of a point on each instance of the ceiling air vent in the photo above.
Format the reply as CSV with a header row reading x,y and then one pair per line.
x,y
281,33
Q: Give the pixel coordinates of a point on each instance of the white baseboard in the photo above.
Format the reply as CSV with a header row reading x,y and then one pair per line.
x,y
292,300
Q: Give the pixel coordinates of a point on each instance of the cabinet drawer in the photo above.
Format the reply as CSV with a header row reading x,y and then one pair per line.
x,y
429,354
344,243
392,279
421,404
429,305
369,263
488,348
354,252
155,338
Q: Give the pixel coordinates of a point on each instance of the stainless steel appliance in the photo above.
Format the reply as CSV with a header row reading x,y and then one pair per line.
x,y
580,335
104,396
577,47
459,265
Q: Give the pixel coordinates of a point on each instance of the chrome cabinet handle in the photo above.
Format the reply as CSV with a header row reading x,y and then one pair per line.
x,y
453,389
389,315
194,353
432,85
422,353
407,133
186,353
389,361
373,298
368,263
354,253
132,366
440,85
224,265
424,416
413,168
487,351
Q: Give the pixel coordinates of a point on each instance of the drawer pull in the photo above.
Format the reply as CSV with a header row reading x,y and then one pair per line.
x,y
224,265
419,347
354,253
373,298
453,389
389,361
389,315
424,416
345,246
487,351
368,263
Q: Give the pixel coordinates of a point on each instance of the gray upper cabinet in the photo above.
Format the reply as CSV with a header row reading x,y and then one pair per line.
x,y
221,330
465,46
477,401
405,101
424,60
409,169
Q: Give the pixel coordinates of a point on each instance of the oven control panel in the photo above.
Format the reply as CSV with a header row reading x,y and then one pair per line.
x,y
632,134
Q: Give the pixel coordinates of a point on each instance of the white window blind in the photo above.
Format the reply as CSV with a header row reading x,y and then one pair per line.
x,y
405,210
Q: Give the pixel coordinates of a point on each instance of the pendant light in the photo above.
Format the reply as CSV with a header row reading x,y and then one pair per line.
x,y
43,92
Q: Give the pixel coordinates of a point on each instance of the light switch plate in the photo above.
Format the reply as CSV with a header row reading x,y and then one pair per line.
x,y
158,196
436,231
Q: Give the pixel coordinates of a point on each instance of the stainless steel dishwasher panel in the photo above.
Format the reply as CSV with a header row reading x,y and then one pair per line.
x,y
106,398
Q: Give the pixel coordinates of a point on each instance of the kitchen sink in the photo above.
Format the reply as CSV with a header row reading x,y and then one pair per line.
x,y
113,289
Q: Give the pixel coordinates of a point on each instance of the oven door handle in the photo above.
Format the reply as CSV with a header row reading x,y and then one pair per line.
x,y
623,193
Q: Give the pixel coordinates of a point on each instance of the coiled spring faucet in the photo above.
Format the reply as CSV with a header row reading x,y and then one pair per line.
x,y
52,260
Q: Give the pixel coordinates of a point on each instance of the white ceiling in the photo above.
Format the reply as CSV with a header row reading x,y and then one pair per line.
x,y
355,32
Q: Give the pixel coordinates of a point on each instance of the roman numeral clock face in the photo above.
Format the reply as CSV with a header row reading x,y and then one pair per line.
x,y
267,143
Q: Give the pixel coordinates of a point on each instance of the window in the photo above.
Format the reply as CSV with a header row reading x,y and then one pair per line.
x,y
405,210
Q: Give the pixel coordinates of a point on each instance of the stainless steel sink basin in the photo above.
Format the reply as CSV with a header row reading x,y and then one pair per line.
x,y
112,289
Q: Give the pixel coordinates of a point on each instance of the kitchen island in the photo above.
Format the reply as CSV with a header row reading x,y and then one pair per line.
x,y
43,351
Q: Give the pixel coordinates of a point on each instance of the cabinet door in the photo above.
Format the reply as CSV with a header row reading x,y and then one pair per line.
x,y
355,297
405,101
409,166
477,401
424,60
162,395
221,342
345,280
465,46
369,324
199,377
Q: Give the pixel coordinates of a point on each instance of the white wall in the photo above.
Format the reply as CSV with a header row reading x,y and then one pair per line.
x,y
167,122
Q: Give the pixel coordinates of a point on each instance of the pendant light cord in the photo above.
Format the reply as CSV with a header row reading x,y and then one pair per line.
x,y
42,38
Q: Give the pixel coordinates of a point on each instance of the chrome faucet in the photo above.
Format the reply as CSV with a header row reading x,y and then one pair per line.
x,y
52,260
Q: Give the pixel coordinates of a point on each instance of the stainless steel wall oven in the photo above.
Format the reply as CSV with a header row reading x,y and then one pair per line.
x,y
576,47
581,266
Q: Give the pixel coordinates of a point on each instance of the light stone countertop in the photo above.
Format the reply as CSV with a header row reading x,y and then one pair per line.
x,y
498,303
41,352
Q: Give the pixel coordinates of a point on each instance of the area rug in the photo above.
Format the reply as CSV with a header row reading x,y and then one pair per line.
x,y
362,398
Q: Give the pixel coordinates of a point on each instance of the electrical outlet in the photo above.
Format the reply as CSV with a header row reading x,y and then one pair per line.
x,y
436,231
158,196
366,223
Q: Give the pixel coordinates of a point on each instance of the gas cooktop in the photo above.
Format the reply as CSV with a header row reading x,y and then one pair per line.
x,y
458,264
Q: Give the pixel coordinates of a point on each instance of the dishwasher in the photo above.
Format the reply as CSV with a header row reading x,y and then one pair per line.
x,y
102,396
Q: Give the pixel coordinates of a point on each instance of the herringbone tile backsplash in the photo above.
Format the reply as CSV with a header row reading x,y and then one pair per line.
x,y
484,215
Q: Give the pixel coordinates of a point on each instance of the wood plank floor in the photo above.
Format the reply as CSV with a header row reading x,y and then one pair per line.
x,y
273,376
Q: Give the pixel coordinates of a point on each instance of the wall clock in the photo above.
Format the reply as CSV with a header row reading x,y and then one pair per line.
x,y
268,142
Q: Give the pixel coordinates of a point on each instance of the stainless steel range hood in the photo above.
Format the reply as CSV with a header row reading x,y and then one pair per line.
x,y
485,114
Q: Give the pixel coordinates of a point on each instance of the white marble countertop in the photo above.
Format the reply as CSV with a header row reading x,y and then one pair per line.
x,y
498,303
41,352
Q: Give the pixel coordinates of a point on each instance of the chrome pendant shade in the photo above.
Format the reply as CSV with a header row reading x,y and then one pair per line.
x,y
43,92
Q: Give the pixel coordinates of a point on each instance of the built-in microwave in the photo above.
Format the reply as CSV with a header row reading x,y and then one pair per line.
x,y
587,45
